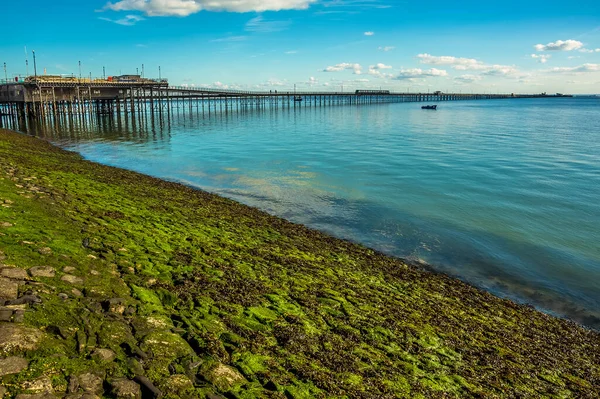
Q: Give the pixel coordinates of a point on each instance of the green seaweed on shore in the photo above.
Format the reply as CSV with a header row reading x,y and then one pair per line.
x,y
142,278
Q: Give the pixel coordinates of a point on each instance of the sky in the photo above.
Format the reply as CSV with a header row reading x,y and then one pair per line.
x,y
509,46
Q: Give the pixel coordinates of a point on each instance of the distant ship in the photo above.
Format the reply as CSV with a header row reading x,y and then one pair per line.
x,y
297,98
429,107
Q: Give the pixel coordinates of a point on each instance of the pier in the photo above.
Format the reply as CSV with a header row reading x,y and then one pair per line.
x,y
47,98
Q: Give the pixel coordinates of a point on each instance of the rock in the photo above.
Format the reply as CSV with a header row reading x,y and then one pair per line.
x,y
148,388
6,314
2,391
25,300
69,269
103,355
90,383
45,395
12,365
214,396
73,386
165,344
19,316
40,385
63,296
124,389
42,271
179,385
114,305
94,272
223,377
9,289
6,224
76,292
45,251
69,278
15,273
18,338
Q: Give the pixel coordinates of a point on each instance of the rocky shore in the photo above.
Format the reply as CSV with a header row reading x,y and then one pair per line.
x,y
118,285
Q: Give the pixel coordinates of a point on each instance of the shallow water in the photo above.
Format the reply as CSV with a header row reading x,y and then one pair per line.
x,y
502,193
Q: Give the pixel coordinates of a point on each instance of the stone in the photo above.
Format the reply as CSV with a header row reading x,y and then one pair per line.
x,y
6,314
45,251
114,305
25,300
223,377
69,278
69,269
14,273
2,391
12,365
76,292
179,384
125,389
103,355
9,289
42,271
90,383
63,296
44,395
5,224
18,338
19,316
40,385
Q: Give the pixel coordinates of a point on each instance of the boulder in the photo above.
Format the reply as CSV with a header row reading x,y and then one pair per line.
x,y
15,273
12,365
222,376
69,278
14,337
90,383
125,389
9,289
103,355
42,271
40,385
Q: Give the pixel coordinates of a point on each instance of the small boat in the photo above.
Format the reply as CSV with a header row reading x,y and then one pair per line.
x,y
429,107
297,98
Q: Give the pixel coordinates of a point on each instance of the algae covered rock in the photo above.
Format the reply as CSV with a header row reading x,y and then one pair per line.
x,y
69,278
39,385
164,344
225,378
15,273
179,384
122,388
9,289
90,382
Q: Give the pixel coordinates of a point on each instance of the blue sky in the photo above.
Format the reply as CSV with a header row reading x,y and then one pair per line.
x,y
480,46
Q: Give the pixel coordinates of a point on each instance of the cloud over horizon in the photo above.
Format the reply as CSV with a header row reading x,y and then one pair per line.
x,y
560,45
183,8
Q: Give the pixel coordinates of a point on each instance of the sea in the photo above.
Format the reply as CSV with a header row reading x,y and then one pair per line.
x,y
503,194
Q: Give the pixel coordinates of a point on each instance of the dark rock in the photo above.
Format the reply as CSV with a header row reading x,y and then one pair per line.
x,y
125,389
25,300
130,311
42,271
148,388
12,365
135,367
214,396
114,305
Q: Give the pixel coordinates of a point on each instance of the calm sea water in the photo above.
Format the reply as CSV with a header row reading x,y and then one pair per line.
x,y
504,194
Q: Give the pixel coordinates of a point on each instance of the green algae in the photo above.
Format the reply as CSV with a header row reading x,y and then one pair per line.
x,y
208,284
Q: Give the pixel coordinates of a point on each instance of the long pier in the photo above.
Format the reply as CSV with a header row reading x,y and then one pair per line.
x,y
40,98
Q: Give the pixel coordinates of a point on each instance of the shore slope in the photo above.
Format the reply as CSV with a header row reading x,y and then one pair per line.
x,y
116,284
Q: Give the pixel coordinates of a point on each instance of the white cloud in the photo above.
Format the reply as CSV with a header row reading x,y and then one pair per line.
x,y
386,48
356,68
541,58
369,33
258,24
467,63
183,8
560,45
129,20
375,70
585,50
578,69
420,73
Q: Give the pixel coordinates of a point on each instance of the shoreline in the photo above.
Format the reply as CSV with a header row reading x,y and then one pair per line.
x,y
261,307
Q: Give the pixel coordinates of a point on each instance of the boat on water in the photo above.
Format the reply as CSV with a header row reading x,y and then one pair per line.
x,y
297,98
429,107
